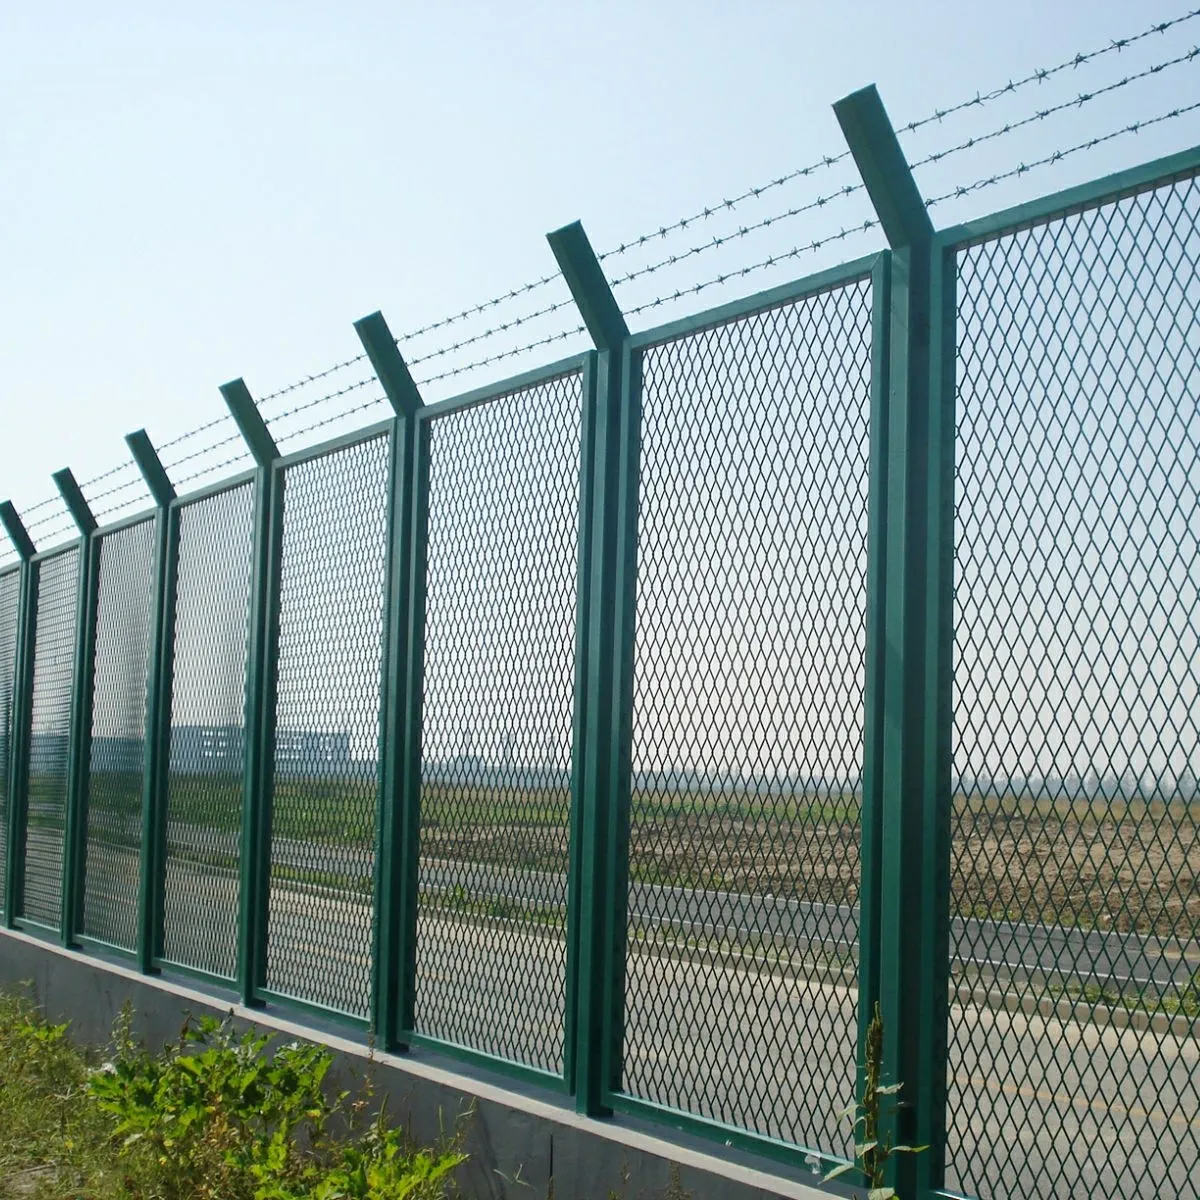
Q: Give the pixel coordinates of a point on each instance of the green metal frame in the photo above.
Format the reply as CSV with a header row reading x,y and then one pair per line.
x,y
156,746
261,679
913,868
596,987
396,833
409,787
74,858
79,545
22,699
623,569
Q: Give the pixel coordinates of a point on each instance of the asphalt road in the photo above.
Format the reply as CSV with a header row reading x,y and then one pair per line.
x,y
1040,1107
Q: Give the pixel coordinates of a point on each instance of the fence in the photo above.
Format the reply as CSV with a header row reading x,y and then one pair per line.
x,y
633,726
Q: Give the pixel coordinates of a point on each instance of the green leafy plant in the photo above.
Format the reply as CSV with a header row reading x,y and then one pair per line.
x,y
222,1117
873,1151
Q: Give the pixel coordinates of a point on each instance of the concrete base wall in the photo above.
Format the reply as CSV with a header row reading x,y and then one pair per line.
x,y
522,1145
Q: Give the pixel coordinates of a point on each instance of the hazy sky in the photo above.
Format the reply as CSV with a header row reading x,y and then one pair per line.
x,y
190,195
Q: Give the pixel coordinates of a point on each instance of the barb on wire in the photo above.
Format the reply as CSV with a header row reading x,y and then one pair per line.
x,y
1057,155
487,333
1076,102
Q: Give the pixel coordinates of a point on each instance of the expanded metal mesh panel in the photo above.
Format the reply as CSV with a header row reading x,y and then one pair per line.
x,y
124,624
498,703
53,671
1076,707
747,724
327,727
208,697
10,595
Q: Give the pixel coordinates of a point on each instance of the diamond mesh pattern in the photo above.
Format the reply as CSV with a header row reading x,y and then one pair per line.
x,y
10,595
208,697
327,738
747,723
124,622
499,680
1076,714
53,670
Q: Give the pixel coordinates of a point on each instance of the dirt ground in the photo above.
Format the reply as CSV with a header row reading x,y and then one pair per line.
x,y
1138,873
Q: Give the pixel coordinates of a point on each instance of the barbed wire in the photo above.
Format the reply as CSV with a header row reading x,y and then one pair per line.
x,y
291,387
749,269
114,491
233,437
850,189
374,402
232,461
1076,102
494,358
191,433
326,399
1037,76
1057,155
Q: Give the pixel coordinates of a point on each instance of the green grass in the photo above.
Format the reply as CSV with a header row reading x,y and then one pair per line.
x,y
216,1116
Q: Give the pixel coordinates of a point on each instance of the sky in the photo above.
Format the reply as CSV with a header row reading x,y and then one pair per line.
x,y
189,195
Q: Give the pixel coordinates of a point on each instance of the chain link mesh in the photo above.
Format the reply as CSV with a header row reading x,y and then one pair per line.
x,y
327,726
1072,1064
498,705
741,998
124,623
208,697
53,672
10,595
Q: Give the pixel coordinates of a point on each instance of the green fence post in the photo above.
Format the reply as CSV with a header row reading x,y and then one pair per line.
x,y
261,678
598,885
913,916
157,747
79,738
398,819
22,713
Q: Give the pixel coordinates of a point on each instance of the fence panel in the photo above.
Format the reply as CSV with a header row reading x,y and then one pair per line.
x,y
504,495
10,595
744,846
326,778
57,583
124,624
207,745
1075,848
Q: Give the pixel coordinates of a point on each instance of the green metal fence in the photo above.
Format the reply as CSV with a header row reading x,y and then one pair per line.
x,y
635,726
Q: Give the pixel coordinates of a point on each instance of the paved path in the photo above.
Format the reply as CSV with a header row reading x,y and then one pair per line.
x,y
1039,1107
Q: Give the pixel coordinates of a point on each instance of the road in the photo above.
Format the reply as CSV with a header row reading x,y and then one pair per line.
x,y
1040,1107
